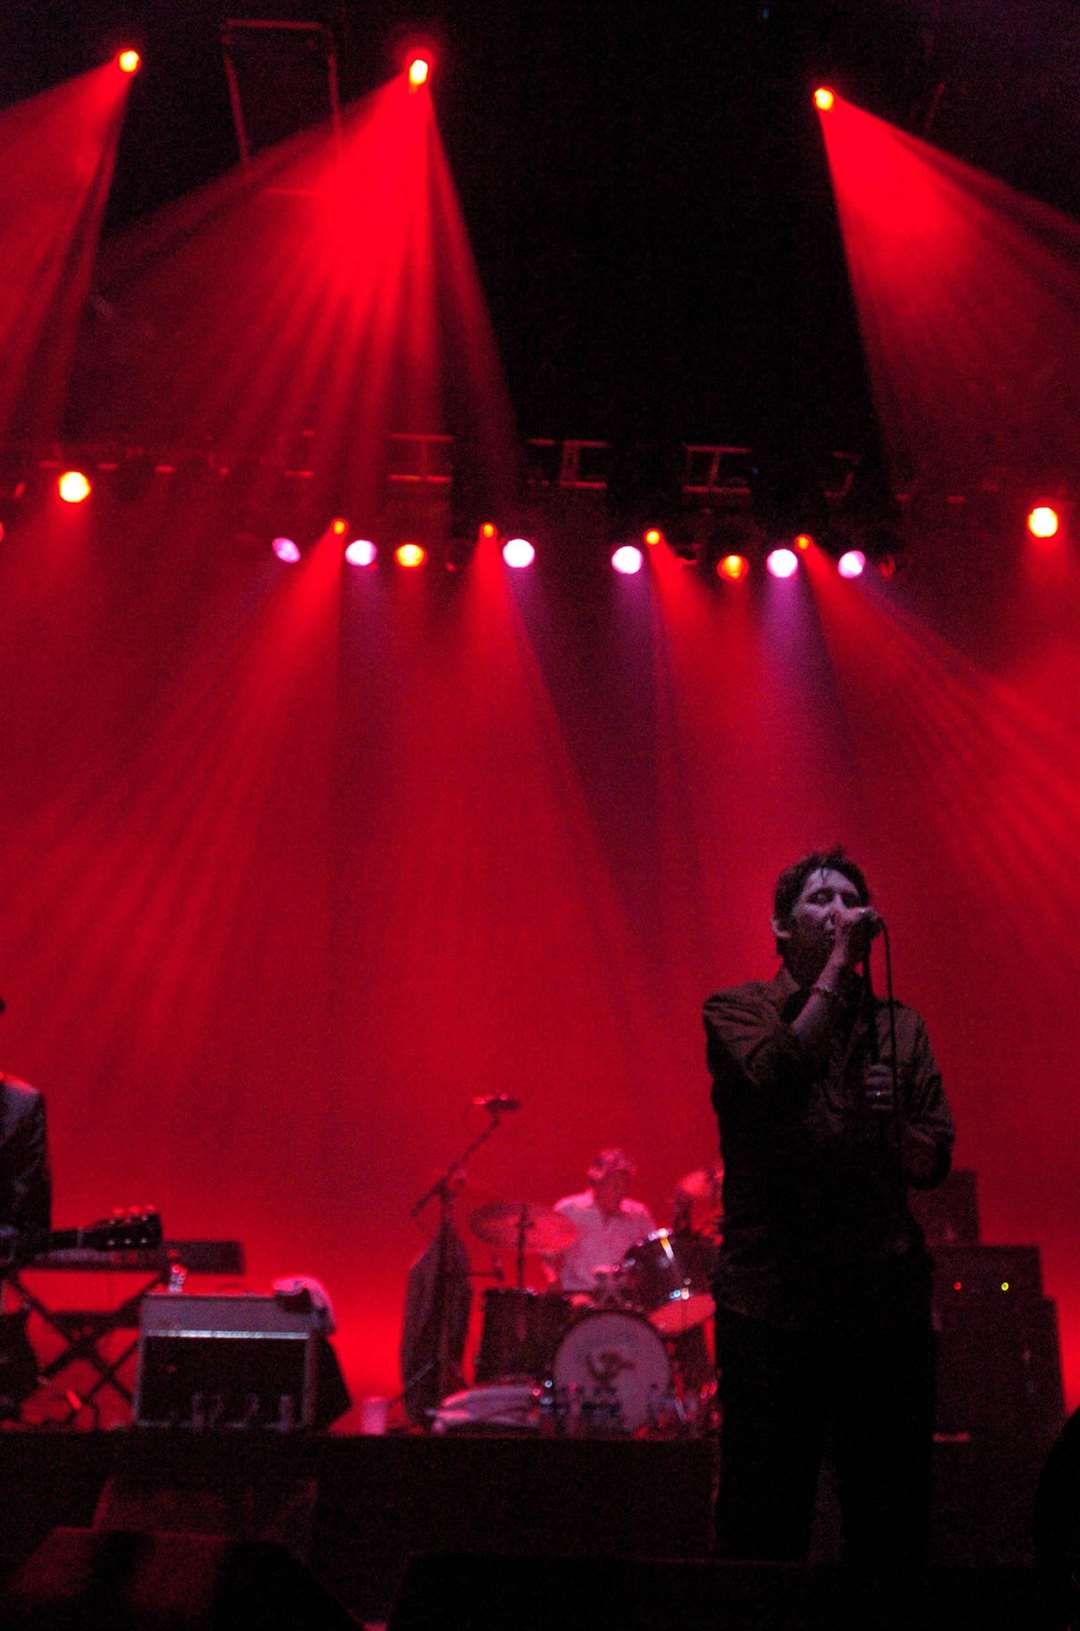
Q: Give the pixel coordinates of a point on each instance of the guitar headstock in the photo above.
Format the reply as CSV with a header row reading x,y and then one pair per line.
x,y
123,1231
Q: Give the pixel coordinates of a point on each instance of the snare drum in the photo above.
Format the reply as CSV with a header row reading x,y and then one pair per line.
x,y
670,1275
520,1333
609,1358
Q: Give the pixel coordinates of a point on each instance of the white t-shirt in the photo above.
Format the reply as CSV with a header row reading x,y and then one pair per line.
x,y
601,1240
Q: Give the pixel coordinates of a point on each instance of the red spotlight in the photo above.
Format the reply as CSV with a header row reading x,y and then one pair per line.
x,y
419,71
129,61
803,540
824,98
782,563
732,567
410,555
487,530
652,536
286,549
339,526
1043,521
73,486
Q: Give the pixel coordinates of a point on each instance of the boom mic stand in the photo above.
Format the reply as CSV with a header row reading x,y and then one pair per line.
x,y
445,1188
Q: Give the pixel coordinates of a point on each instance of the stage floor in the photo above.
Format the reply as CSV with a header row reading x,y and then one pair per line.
x,y
357,1508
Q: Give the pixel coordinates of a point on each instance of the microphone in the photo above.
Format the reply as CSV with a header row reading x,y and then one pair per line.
x,y
873,922
496,1102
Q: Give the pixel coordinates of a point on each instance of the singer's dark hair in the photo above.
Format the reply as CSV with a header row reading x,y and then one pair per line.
x,y
789,884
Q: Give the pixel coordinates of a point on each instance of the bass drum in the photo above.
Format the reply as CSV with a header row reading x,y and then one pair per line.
x,y
611,1360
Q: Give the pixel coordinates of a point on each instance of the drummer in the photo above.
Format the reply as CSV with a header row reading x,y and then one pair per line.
x,y
608,1223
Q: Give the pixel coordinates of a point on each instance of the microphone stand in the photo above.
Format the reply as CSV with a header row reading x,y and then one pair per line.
x,y
443,1187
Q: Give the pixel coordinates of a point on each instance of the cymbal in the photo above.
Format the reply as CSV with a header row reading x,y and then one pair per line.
x,y
501,1223
702,1185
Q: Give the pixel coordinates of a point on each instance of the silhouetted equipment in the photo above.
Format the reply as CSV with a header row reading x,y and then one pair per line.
x,y
491,1593
1057,1524
234,1361
100,1580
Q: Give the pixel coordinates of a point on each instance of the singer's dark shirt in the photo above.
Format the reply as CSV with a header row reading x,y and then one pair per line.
x,y
816,1224
25,1189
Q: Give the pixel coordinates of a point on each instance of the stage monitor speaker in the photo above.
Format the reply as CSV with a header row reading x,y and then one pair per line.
x,y
236,1361
491,1593
91,1580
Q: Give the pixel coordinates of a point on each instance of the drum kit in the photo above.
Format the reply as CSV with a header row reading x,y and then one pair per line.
x,y
630,1356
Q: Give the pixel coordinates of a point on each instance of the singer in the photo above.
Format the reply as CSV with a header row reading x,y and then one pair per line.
x,y
824,1338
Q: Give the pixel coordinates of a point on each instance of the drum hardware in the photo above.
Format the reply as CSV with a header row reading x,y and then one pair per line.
x,y
523,1226
520,1333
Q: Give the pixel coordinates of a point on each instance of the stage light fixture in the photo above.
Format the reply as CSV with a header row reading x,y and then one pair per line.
x,y
410,555
627,559
419,71
286,549
486,531
824,98
652,536
339,526
782,563
1044,521
361,552
74,486
852,564
129,61
803,540
518,553
732,567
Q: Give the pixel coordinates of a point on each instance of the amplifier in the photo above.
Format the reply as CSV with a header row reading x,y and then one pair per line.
x,y
993,1273
999,1371
227,1362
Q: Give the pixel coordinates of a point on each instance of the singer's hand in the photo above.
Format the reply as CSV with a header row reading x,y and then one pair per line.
x,y
851,929
878,1089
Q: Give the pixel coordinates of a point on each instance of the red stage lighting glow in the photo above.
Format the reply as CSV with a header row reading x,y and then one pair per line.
x,y
419,72
824,98
410,555
803,540
73,486
628,559
851,564
733,568
488,530
652,536
361,552
929,240
339,526
286,549
1043,521
518,552
129,62
782,563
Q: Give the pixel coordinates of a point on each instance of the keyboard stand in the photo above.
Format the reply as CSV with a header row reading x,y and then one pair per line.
x,y
82,1332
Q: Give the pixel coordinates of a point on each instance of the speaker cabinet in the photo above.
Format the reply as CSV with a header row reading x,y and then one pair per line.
x,y
92,1580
